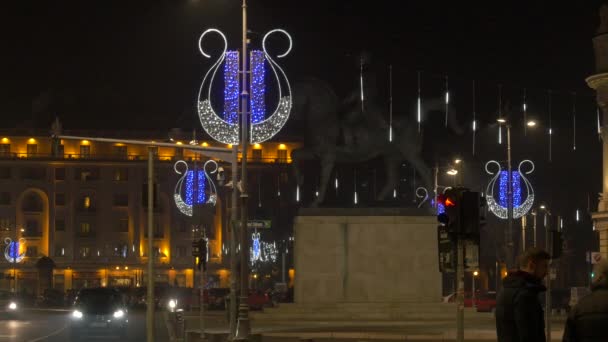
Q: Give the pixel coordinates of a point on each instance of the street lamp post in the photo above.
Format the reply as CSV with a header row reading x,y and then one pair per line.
x,y
243,328
475,274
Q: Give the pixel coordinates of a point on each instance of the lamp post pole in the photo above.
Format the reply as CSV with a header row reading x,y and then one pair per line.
x,y
243,328
233,264
150,298
509,249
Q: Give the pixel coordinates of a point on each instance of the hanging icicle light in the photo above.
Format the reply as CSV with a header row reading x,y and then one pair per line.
x,y
578,216
419,105
525,109
574,121
297,193
474,118
390,103
356,200
447,101
394,193
500,113
361,84
550,128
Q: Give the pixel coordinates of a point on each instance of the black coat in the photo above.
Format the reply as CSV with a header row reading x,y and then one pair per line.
x,y
519,314
588,320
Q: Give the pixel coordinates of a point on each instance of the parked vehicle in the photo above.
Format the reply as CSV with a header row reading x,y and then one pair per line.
x,y
486,302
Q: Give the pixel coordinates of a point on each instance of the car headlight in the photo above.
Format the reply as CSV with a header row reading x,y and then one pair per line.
x,y
172,304
12,306
119,314
77,314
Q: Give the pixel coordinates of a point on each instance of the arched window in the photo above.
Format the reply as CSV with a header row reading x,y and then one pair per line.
x,y
32,202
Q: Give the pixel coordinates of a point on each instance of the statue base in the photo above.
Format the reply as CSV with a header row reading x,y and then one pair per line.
x,y
366,255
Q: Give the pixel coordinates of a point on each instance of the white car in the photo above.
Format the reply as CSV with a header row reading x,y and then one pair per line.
x,y
9,304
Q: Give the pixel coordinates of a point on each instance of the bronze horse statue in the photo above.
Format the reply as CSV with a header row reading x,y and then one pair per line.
x,y
351,132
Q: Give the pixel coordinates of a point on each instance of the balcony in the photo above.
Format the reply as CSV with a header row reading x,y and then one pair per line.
x,y
89,234
129,157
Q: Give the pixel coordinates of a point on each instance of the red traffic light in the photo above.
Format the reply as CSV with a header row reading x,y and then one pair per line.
x,y
446,201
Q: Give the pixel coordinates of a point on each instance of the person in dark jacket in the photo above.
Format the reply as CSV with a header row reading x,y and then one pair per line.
x,y
519,313
587,321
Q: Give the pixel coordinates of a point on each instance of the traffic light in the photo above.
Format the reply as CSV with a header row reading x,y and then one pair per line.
x,y
196,251
460,210
201,247
470,209
449,203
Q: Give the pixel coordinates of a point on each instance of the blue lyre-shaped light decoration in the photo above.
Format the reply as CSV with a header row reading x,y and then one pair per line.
x,y
231,87
12,250
258,87
503,191
200,196
523,193
255,246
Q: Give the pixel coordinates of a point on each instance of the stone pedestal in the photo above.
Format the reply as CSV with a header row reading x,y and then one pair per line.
x,y
366,255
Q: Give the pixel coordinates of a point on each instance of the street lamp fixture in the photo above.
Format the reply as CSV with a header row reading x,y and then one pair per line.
x,y
531,123
452,172
475,273
457,161
501,120
543,207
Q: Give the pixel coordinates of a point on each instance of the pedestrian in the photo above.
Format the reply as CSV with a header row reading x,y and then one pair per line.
x,y
587,320
519,313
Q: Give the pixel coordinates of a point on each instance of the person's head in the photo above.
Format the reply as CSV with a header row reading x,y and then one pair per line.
x,y
600,273
535,261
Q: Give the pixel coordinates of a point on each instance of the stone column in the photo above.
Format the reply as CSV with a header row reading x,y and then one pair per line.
x,y
599,82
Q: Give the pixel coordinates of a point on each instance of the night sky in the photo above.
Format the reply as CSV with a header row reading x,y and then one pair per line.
x,y
135,65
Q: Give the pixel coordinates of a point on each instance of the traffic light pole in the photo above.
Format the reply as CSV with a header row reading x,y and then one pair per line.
x,y
460,293
548,247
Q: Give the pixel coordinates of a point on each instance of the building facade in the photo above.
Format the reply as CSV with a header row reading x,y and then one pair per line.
x,y
84,205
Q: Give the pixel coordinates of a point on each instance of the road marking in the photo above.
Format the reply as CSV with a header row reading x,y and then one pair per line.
x,y
49,335
8,336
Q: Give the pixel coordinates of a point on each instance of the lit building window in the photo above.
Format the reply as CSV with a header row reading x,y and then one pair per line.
x,y
86,203
32,150
5,149
85,228
256,154
282,156
84,252
85,151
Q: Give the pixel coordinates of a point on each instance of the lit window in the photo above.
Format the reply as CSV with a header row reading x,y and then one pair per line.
x,y
32,149
85,227
87,202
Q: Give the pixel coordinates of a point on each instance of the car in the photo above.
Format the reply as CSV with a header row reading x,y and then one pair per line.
x,y
10,304
486,302
215,298
99,311
451,298
257,300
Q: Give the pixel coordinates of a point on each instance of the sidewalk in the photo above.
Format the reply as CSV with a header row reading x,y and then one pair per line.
x,y
378,331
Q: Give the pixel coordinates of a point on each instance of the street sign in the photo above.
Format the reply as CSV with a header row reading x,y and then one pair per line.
x,y
255,224
446,249
471,255
596,257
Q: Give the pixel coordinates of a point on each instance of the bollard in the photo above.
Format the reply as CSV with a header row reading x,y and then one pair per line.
x,y
179,324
